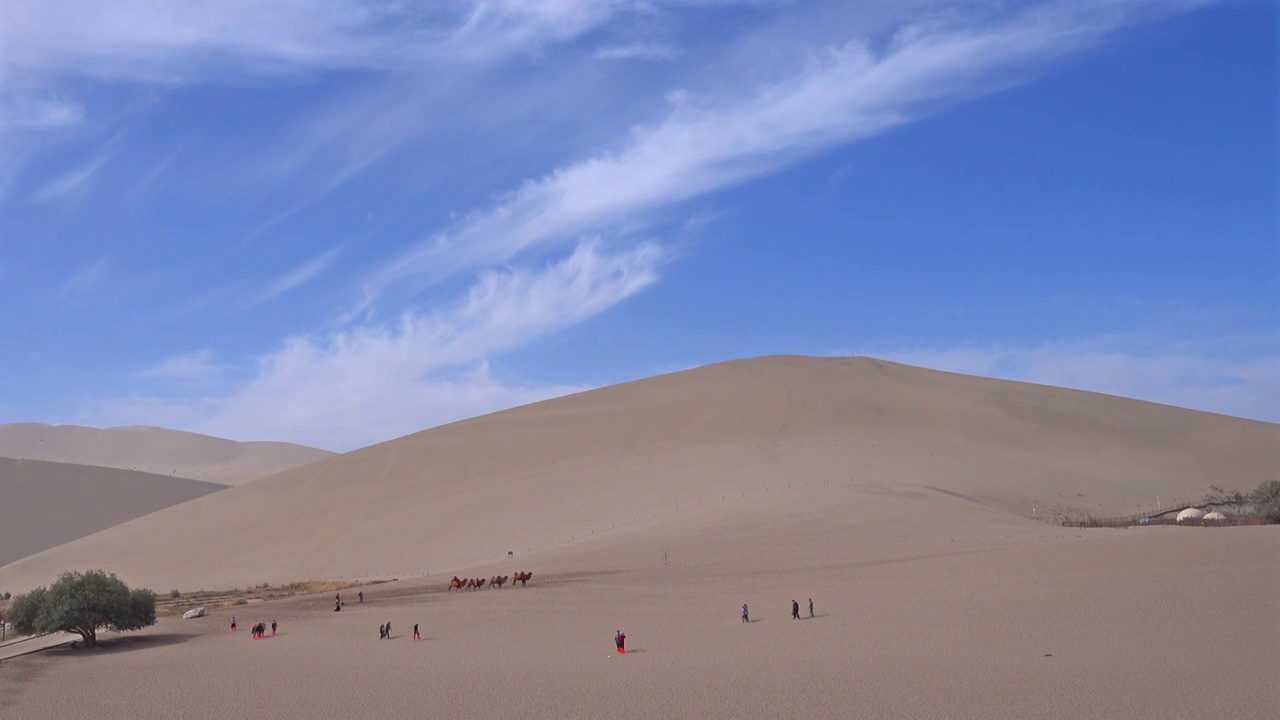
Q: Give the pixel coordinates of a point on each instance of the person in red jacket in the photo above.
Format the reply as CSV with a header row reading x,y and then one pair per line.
x,y
621,639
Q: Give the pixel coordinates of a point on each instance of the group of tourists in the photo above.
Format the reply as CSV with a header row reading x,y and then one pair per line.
x,y
259,630
795,611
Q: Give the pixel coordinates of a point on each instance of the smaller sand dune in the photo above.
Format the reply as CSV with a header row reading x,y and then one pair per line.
x,y
155,450
45,504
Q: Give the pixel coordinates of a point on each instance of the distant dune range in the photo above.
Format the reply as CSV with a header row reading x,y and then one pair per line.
x,y
154,450
45,504
643,459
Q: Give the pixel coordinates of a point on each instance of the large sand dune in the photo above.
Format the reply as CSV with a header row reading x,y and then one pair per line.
x,y
643,458
154,450
45,504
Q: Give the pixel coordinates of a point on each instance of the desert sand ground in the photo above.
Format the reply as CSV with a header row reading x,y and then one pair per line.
x,y
46,504
898,499
154,450
639,456
934,608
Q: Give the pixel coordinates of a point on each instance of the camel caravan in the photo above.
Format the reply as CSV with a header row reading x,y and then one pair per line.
x,y
496,581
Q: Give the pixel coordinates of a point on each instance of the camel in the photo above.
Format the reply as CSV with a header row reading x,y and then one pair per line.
x,y
480,582
497,581
522,577
456,584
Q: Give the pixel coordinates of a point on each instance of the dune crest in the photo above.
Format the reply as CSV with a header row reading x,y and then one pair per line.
x,y
644,456
154,450
46,504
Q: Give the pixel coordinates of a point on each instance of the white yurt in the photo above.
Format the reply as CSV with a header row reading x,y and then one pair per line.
x,y
1215,516
1190,514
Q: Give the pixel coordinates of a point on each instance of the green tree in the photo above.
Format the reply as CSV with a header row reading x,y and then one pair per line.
x,y
1266,500
83,603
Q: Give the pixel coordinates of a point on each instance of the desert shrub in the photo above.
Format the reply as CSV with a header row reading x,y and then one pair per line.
x,y
1266,500
175,594
83,603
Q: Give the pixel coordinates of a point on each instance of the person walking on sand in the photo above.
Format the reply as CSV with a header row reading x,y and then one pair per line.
x,y
621,639
382,632
810,607
337,606
273,628
416,636
745,618
361,596
233,623
795,610
388,629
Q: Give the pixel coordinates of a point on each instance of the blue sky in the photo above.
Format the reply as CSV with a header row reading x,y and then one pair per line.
x,y
335,223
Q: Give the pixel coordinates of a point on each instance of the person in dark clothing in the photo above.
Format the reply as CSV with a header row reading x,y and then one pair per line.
x,y
745,618
810,607
361,596
795,610
388,629
273,628
621,639
233,623
382,632
416,636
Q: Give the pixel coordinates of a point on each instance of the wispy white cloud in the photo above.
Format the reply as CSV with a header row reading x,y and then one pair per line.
x,y
1231,375
843,93
637,51
82,281
197,368
71,181
43,113
294,278
165,42
374,382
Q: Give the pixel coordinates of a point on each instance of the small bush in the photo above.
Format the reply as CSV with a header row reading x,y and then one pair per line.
x,y
1266,500
175,594
240,601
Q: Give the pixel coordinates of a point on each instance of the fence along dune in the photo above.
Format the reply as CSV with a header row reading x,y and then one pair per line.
x,y
638,455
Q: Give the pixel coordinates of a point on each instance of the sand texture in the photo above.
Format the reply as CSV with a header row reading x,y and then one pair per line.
x,y
926,606
154,450
45,504
898,499
640,457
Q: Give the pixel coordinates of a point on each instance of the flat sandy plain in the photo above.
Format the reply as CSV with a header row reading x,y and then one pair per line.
x,y
897,499
931,609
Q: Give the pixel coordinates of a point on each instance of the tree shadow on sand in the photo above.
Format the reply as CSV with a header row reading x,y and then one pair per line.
x,y
122,644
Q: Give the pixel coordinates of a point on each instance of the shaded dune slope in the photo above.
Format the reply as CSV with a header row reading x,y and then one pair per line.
x,y
154,450
46,504
637,457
